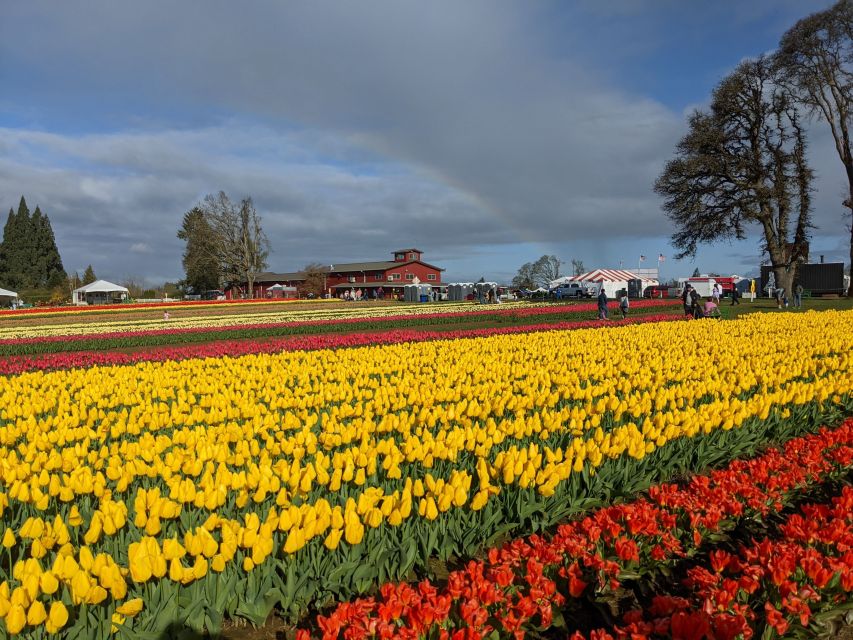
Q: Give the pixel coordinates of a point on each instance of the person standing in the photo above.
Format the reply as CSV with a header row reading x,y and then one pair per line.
x,y
798,296
687,301
716,291
602,304
624,304
695,303
735,296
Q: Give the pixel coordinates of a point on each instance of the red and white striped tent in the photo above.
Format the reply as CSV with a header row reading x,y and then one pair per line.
x,y
612,280
605,275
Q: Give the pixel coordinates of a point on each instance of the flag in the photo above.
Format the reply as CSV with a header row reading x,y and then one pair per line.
x,y
661,258
642,258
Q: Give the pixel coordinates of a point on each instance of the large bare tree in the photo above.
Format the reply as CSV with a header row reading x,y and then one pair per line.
x,y
743,163
546,269
538,274
239,241
315,279
815,59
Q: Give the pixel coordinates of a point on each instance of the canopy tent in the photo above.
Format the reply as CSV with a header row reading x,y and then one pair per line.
x,y
8,297
99,292
281,291
559,282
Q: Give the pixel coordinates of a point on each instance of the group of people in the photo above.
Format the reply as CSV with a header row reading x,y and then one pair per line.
x,y
693,306
358,295
624,304
782,297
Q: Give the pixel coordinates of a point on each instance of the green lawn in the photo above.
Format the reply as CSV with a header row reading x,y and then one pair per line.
x,y
769,305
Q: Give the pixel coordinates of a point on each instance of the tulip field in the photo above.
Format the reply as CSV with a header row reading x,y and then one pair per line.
x,y
397,472
47,335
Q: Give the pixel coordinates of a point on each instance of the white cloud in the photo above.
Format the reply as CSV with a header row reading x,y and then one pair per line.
x,y
141,247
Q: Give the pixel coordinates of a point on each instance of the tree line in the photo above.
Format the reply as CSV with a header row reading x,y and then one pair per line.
x,y
29,257
744,160
225,244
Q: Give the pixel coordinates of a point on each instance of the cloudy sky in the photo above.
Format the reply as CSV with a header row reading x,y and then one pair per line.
x,y
484,132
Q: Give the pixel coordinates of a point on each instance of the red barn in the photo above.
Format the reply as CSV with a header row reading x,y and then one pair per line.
x,y
407,267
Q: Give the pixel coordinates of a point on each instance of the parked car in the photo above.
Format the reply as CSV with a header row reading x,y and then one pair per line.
x,y
572,290
213,294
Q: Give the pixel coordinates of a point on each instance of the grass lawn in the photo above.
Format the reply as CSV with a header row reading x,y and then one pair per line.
x,y
769,305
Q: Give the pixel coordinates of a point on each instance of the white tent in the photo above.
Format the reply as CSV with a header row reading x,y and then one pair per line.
x,y
99,292
7,296
559,282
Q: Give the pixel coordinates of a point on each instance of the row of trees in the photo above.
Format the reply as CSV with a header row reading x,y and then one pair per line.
x,y
744,159
29,257
225,244
540,273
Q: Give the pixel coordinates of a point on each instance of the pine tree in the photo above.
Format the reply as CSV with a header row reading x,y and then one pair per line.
x,y
89,275
5,257
47,263
200,256
25,245
29,257
17,239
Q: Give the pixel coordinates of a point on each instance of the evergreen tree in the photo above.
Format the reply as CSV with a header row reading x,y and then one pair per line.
x,y
46,262
89,275
200,259
29,257
17,238
24,245
6,279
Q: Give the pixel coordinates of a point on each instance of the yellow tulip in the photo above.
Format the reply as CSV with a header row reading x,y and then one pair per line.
x,y
57,617
176,570
48,583
36,614
130,608
354,532
217,563
16,619
333,539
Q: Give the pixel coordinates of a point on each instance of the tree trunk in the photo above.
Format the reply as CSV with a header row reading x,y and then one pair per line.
x,y
849,167
784,279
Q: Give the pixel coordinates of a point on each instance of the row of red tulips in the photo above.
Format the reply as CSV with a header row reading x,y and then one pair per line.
x,y
19,364
773,586
529,584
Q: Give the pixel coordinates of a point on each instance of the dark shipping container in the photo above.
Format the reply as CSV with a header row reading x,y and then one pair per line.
x,y
821,278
